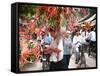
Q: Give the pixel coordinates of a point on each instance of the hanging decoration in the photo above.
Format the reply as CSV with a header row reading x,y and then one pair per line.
x,y
45,17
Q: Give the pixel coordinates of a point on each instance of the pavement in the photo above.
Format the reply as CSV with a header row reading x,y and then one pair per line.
x,y
90,62
36,66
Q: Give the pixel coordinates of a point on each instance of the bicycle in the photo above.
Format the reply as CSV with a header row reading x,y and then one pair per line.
x,y
45,63
83,59
82,62
92,50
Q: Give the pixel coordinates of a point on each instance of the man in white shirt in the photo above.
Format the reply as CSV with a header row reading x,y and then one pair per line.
x,y
84,34
92,37
76,43
54,54
56,57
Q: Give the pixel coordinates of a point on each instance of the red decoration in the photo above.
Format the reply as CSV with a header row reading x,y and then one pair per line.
x,y
84,11
39,31
32,25
46,31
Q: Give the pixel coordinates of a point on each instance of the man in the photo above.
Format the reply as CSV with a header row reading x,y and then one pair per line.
x,y
67,44
47,40
84,33
56,57
76,43
92,37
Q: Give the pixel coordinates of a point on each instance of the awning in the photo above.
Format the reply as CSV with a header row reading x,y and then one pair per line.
x,y
91,19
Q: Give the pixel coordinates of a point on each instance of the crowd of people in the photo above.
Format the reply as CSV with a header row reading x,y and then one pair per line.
x,y
67,44
57,47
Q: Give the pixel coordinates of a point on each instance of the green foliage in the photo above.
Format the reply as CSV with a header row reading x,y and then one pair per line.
x,y
53,21
27,9
30,45
92,11
31,58
30,10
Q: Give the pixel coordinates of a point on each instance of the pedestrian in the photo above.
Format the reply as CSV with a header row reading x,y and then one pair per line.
x,y
46,41
56,58
67,46
76,43
92,37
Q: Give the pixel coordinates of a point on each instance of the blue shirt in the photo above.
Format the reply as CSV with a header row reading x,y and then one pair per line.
x,y
66,46
47,40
